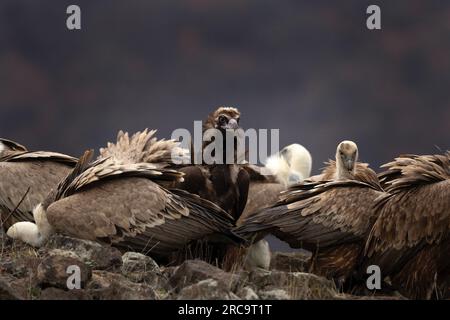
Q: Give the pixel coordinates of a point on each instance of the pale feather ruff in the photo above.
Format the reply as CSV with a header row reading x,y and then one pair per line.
x,y
300,164
35,234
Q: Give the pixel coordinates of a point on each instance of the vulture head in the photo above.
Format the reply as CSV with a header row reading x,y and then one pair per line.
x,y
224,118
346,158
291,165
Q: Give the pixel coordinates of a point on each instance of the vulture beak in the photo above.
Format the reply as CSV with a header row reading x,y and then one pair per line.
x,y
349,163
232,124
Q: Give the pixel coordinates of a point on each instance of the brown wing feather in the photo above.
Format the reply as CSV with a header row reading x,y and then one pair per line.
x,y
418,208
138,214
318,214
40,156
17,177
260,195
142,147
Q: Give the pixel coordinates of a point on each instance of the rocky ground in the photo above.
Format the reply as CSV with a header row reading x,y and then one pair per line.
x,y
106,273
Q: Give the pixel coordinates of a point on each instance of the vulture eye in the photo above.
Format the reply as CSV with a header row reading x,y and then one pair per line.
x,y
222,119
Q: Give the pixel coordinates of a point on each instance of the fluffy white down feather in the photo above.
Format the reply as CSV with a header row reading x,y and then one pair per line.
x,y
35,234
291,165
258,256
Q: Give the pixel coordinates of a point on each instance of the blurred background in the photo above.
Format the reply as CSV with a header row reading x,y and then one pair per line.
x,y
310,68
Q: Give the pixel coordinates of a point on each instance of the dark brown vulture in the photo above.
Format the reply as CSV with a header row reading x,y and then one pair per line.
x,y
410,241
26,178
332,219
118,200
221,183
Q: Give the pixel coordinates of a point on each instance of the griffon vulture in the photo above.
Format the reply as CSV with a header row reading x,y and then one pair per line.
x,y
118,200
332,219
410,240
26,178
347,167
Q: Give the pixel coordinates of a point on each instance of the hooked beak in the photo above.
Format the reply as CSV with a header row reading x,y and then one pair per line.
x,y
232,124
349,164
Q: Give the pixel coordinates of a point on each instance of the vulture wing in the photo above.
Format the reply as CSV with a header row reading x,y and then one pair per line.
x,y
410,240
418,207
122,204
261,194
315,215
26,178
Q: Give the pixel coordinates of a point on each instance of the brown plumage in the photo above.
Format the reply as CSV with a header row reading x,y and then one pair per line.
x,y
330,219
351,169
263,192
224,184
410,240
119,200
9,146
362,173
26,178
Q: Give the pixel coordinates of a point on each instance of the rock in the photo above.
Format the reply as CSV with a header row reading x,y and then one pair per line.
x,y
53,270
97,256
247,293
275,294
208,289
193,271
297,284
137,262
290,261
140,268
59,294
10,290
112,286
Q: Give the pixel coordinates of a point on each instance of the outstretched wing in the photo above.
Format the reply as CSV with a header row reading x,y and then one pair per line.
x,y
318,214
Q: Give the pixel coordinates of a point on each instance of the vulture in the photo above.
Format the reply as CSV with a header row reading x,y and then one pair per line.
x,y
330,218
225,184
347,166
26,178
291,165
410,240
119,200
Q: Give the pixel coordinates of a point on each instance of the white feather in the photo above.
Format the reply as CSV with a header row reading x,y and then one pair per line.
x,y
35,234
291,165
258,256
27,232
2,147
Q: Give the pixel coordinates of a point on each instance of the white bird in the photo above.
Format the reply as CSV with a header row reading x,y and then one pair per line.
x,y
291,165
